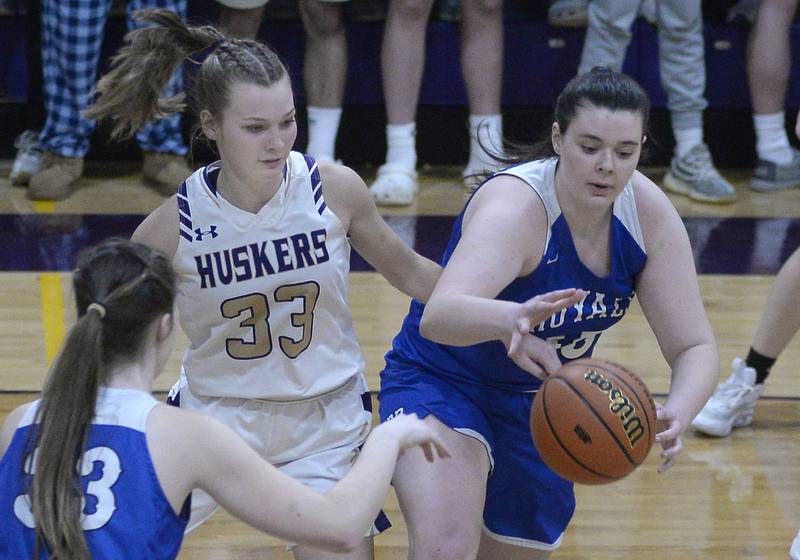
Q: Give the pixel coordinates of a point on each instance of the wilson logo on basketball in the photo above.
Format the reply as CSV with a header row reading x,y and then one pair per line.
x,y
620,406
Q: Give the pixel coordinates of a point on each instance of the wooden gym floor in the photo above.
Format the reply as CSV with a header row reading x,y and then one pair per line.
x,y
726,499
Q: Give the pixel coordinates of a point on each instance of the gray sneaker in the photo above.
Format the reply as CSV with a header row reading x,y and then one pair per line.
x,y
695,176
769,176
28,160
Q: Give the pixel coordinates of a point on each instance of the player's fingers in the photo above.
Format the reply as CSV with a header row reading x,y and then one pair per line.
x,y
523,325
441,448
670,433
514,344
524,361
670,453
545,355
666,465
663,413
428,451
555,295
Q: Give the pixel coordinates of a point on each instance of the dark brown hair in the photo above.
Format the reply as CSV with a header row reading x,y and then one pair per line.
x,y
134,286
602,87
130,94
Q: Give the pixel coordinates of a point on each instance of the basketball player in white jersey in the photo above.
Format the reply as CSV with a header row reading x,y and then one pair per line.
x,y
260,241
140,459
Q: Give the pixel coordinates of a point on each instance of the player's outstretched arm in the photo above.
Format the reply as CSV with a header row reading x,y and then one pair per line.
x,y
669,294
350,200
221,463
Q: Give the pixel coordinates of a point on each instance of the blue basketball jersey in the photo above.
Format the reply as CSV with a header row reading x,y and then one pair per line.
x,y
125,514
574,331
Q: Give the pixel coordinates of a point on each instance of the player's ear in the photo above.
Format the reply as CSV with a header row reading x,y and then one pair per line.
x,y
208,124
165,326
644,139
555,137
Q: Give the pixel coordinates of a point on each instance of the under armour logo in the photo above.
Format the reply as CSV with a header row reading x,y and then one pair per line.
x,y
200,234
554,259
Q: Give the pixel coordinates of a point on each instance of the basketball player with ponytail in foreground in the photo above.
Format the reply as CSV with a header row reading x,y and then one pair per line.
x,y
138,459
570,213
260,241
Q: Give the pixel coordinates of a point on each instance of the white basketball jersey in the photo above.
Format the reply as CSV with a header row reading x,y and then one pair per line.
x,y
263,297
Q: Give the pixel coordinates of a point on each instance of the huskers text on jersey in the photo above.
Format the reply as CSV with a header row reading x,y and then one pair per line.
x,y
255,260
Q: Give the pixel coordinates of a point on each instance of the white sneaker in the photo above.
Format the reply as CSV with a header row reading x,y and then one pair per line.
x,y
794,552
731,405
28,160
395,185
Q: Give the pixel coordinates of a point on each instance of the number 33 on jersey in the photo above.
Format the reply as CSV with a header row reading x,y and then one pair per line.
x,y
264,298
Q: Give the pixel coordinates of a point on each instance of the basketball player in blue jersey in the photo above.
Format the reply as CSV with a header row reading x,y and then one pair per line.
x,y
576,214
260,241
138,459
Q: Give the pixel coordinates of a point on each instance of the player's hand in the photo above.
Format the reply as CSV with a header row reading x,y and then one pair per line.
x,y
670,429
528,351
534,355
410,431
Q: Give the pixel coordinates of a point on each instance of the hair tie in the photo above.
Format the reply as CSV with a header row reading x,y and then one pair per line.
x,y
101,310
198,57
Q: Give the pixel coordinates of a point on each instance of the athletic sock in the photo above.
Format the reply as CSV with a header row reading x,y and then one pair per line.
x,y
686,139
772,142
401,145
323,125
485,138
761,363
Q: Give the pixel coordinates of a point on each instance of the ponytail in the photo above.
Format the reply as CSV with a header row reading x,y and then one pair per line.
x,y
130,94
65,413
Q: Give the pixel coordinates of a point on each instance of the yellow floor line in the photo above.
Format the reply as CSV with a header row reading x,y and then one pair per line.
x,y
52,313
44,206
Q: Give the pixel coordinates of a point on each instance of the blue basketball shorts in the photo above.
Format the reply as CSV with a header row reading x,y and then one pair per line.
x,y
527,504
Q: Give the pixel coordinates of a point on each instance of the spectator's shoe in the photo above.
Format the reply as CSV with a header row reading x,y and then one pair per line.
x,y
568,13
164,171
731,405
395,185
794,552
55,179
28,160
695,176
769,176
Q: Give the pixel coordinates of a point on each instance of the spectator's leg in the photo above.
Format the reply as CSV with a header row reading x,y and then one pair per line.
x,y
608,33
402,63
241,24
325,74
482,65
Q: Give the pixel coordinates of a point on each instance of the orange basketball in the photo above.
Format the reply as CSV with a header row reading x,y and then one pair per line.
x,y
593,421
